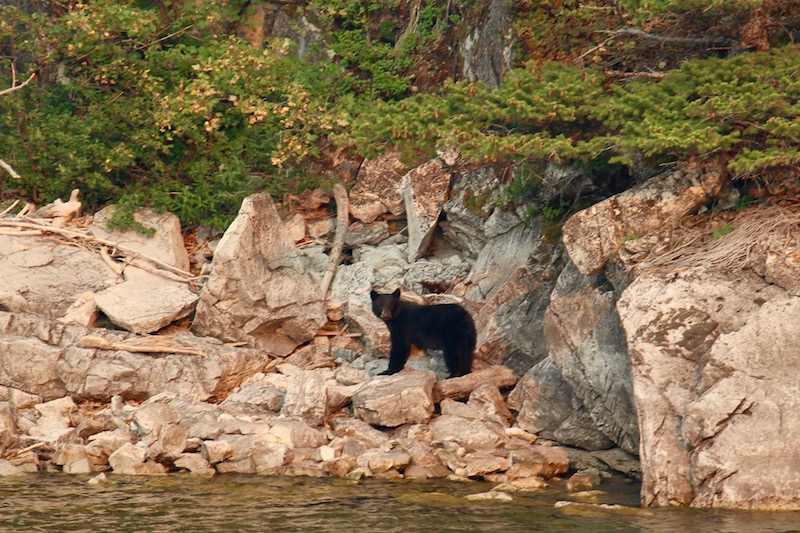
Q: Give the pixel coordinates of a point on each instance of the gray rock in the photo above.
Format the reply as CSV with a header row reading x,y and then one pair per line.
x,y
586,341
547,406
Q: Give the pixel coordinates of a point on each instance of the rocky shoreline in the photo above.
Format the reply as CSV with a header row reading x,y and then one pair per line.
x,y
629,345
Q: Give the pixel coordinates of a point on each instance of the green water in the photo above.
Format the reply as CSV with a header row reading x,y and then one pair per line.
x,y
251,503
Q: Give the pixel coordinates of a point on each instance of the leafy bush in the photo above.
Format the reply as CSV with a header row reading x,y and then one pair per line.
x,y
150,105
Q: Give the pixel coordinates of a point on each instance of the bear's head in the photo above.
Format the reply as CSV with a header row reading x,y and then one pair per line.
x,y
385,306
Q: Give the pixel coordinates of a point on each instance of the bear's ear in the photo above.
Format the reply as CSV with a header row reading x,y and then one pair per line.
x,y
374,295
396,294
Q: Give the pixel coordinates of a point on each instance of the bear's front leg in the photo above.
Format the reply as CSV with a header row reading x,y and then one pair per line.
x,y
398,356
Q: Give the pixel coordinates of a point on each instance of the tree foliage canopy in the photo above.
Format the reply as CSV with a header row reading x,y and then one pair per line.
x,y
163,103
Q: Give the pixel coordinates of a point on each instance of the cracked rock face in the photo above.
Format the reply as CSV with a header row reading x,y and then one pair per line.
x,y
714,358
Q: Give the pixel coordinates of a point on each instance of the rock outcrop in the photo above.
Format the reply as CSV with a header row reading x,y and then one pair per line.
x,y
713,357
258,291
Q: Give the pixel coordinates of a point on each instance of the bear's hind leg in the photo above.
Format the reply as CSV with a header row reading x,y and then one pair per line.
x,y
457,362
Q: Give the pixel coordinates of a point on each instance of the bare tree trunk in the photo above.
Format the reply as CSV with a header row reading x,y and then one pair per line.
x,y
342,222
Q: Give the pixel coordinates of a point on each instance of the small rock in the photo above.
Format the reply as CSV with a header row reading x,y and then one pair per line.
x,y
491,495
195,463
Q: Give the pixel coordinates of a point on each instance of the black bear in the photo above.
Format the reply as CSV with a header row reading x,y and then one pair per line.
x,y
446,327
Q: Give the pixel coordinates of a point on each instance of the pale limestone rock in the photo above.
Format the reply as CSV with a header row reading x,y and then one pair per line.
x,y
377,188
491,405
713,357
9,470
126,459
195,463
110,441
347,374
165,244
54,364
154,414
596,234
424,191
169,444
8,426
405,397
380,461
339,395
463,386
540,460
30,365
297,434
54,416
216,451
479,464
373,233
255,398
306,397
258,291
145,302
37,276
99,478
83,311
360,430
490,495
473,435
269,458
373,330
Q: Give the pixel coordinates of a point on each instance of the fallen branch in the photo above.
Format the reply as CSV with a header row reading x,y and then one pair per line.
x,y
461,387
27,449
664,38
18,87
185,276
8,168
143,345
342,221
8,209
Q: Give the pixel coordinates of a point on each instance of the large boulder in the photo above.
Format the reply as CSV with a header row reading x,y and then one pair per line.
x,y
142,301
391,401
39,277
258,291
714,357
586,341
377,189
424,191
46,358
596,234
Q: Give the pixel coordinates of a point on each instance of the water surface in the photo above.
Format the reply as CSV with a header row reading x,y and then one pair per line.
x,y
53,502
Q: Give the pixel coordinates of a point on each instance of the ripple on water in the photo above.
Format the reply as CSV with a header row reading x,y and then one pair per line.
x,y
251,503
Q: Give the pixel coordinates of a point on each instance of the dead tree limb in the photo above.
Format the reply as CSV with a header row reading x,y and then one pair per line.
x,y
88,238
342,222
18,87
